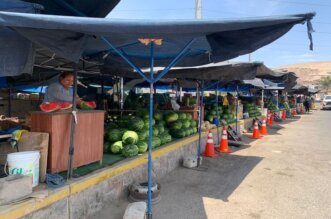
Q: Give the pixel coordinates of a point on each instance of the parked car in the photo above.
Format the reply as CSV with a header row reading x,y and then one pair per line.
x,y
326,104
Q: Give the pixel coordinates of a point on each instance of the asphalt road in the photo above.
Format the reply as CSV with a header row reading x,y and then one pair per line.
x,y
283,175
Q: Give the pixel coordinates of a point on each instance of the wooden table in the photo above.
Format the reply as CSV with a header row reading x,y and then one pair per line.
x,y
88,137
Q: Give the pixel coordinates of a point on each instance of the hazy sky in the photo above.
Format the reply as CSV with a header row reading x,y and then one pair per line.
x,y
291,48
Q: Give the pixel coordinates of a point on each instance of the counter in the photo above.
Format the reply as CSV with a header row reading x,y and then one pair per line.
x,y
88,137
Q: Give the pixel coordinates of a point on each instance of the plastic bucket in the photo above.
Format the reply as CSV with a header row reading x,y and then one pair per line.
x,y
26,163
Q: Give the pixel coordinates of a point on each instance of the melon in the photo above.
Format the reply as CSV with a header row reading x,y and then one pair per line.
x,y
88,105
49,107
65,105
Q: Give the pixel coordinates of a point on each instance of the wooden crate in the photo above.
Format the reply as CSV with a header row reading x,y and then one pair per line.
x,y
88,137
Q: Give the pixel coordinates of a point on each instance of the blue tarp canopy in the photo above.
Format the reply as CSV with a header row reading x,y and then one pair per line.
x,y
95,39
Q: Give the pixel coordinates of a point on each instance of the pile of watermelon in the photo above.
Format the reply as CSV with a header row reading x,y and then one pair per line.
x,y
252,110
271,106
128,135
226,113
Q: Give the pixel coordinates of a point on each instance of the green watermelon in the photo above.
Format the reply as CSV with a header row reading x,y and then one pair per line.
x,y
143,135
136,124
187,132
158,116
171,117
177,133
176,125
182,116
186,123
161,123
155,131
142,146
114,135
116,147
130,137
160,128
130,150
188,116
146,123
106,147
156,142
193,123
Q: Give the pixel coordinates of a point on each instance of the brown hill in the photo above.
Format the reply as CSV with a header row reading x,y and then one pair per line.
x,y
310,72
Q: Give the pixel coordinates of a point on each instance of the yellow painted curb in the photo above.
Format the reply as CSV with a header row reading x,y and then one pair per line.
x,y
32,205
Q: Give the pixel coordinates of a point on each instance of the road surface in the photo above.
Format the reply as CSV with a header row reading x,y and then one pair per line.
x,y
283,175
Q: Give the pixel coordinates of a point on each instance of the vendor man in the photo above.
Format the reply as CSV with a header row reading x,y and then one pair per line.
x,y
62,90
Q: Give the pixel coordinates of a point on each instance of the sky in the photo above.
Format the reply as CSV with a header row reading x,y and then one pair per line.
x,y
292,48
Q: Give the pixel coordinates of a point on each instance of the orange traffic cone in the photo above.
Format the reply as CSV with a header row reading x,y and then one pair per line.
x,y
209,150
256,133
263,129
224,146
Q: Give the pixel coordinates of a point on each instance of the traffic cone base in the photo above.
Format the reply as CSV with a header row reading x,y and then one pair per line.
x,y
210,150
224,146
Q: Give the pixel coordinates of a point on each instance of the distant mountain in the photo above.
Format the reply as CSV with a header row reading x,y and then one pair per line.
x,y
310,72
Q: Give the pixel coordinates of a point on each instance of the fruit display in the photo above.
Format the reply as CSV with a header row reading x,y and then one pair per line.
x,y
252,110
128,135
271,106
226,113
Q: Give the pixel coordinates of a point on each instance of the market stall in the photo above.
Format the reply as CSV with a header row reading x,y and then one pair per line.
x,y
195,43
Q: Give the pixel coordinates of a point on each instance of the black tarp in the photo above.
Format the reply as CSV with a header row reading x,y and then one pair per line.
x,y
74,38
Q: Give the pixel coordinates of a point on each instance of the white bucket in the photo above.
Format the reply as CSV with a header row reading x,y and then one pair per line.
x,y
26,163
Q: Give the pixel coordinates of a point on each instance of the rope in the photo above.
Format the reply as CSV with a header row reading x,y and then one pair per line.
x,y
54,181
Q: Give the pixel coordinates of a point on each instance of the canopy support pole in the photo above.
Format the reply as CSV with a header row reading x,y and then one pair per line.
x,y
151,81
9,102
262,102
150,138
200,125
217,112
237,106
122,93
73,126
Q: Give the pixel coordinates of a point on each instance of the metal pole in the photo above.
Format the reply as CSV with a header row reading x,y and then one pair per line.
x,y
73,126
9,102
122,93
180,94
262,102
200,123
237,106
198,11
217,111
149,191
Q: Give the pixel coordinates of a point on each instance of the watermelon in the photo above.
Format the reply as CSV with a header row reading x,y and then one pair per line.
x,y
106,147
143,135
193,123
114,135
186,123
146,123
160,128
130,150
182,116
165,138
158,116
130,137
177,133
156,142
142,146
161,123
188,116
116,147
187,132
65,105
136,124
176,125
88,105
49,107
155,131
171,117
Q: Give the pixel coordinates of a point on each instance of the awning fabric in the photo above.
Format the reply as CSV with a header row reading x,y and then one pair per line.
x,y
87,8
224,72
73,38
